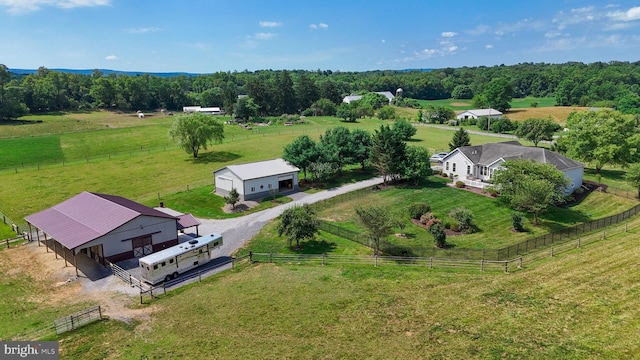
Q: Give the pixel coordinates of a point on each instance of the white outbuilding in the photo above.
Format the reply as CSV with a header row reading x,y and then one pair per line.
x,y
477,113
257,180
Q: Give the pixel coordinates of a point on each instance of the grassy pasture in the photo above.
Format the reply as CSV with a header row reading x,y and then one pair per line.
x,y
141,176
492,218
577,305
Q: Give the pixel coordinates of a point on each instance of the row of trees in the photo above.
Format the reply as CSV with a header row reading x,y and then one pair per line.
x,y
613,84
385,150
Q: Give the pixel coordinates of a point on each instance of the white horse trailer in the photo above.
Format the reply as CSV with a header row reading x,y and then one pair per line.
x,y
167,264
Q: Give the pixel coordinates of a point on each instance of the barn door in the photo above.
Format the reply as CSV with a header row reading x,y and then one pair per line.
x,y
142,246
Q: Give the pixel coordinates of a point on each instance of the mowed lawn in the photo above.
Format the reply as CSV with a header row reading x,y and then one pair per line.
x,y
578,305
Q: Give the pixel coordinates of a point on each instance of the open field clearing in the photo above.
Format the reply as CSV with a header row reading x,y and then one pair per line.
x,y
141,175
582,304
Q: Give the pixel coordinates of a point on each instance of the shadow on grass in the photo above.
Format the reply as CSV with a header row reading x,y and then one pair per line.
x,y
610,174
214,156
315,247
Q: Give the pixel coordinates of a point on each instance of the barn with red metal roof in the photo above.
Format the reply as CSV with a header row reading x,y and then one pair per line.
x,y
105,227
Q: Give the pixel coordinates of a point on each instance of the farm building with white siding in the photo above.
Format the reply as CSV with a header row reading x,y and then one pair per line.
x,y
478,113
257,180
106,227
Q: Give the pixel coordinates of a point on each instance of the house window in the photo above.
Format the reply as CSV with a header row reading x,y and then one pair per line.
x,y
447,166
468,169
269,186
454,167
253,189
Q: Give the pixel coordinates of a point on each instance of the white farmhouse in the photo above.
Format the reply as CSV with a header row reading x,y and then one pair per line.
x,y
477,113
474,165
349,98
257,179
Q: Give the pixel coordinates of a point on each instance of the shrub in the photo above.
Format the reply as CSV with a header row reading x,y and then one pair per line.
x,y
439,235
517,220
464,217
459,184
426,218
432,222
447,225
491,191
455,227
578,191
416,210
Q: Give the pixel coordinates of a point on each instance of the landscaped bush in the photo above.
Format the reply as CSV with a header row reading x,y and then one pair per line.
x,y
517,220
491,191
454,227
416,210
432,222
464,217
439,235
578,191
425,218
459,184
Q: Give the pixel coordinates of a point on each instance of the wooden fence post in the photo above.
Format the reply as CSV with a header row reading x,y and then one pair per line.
x,y
323,261
506,266
376,258
552,251
481,264
578,243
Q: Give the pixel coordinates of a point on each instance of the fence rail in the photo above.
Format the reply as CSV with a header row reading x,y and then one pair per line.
x,y
431,262
508,252
78,319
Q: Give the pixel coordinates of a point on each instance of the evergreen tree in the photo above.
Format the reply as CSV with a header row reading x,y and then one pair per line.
x,y
460,138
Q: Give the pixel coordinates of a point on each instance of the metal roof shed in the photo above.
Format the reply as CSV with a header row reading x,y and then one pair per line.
x,y
258,179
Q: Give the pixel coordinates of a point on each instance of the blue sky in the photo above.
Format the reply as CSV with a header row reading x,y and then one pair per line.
x,y
201,36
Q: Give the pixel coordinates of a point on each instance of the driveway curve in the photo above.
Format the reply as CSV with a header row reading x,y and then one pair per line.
x,y
237,231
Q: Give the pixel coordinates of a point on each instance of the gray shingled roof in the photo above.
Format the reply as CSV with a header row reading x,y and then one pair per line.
x,y
87,216
261,169
489,153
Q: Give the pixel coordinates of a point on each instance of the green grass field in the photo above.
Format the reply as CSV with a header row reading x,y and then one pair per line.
x,y
493,219
577,305
460,105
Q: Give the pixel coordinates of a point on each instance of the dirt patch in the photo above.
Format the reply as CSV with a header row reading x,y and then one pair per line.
x,y
460,104
239,207
113,295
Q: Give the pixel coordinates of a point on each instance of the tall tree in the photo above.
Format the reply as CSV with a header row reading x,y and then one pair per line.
x,y
460,138
298,223
388,152
530,186
302,152
404,129
498,94
285,99
633,176
11,105
537,129
336,146
416,165
360,147
245,108
377,223
194,131
306,90
603,137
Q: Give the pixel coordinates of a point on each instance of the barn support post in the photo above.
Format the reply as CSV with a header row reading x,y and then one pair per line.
x,y
30,235
55,249
64,255
75,262
46,242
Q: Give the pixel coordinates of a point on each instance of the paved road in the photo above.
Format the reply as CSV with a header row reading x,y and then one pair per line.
x,y
237,231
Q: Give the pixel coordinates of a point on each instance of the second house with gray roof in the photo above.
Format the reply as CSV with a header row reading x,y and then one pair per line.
x,y
474,165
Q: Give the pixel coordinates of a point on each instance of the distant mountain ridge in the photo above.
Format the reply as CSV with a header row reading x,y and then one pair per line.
x,y
105,71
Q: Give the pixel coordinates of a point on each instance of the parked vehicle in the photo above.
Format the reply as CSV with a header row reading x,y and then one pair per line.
x,y
438,157
167,264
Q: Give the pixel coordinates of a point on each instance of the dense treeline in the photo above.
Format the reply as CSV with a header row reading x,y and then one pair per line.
x,y
613,84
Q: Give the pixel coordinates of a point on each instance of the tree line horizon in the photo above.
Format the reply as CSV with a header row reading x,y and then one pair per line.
x,y
614,84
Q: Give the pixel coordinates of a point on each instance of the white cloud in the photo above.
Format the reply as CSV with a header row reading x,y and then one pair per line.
x,y
269,24
319,26
488,46
24,6
264,36
111,57
449,34
632,14
142,30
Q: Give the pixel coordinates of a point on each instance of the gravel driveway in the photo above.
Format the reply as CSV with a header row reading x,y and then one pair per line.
x,y
237,231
